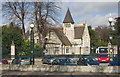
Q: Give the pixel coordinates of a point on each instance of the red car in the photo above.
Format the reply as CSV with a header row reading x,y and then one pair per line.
x,y
4,61
103,58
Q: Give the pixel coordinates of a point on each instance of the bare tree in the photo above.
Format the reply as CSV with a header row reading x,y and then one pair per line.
x,y
16,11
45,13
102,33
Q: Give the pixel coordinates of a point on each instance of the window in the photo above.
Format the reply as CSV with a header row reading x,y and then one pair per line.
x,y
56,48
103,50
67,25
37,40
67,50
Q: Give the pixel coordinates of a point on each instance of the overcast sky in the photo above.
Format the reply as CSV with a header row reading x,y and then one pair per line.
x,y
88,11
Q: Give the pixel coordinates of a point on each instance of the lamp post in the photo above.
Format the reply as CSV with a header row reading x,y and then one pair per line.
x,y
110,20
92,49
32,42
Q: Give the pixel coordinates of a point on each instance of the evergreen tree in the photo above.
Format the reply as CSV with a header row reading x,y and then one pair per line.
x,y
9,34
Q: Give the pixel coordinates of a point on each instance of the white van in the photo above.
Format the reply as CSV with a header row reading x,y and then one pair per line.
x,y
102,50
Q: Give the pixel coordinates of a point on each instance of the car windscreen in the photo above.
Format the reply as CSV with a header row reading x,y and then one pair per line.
x,y
103,50
91,59
24,58
65,61
83,58
103,56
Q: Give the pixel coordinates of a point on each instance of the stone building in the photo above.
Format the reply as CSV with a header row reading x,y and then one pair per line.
x,y
68,39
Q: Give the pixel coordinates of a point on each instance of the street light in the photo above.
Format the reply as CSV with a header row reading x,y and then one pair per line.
x,y
110,20
32,41
92,49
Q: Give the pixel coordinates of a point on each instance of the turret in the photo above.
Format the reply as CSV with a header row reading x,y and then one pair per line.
x,y
68,27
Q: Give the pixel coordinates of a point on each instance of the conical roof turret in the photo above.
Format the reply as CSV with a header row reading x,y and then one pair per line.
x,y
68,18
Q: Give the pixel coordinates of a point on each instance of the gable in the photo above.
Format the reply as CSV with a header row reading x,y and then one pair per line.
x,y
62,37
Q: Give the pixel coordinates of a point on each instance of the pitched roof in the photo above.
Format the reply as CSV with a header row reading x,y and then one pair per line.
x,y
68,17
62,37
78,32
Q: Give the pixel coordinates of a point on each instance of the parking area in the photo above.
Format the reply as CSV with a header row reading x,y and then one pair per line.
x,y
38,61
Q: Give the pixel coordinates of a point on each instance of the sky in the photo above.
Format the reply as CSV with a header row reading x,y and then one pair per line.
x,y
91,12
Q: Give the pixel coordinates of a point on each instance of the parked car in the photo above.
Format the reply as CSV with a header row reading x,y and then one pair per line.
x,y
3,61
22,61
48,60
45,60
103,58
63,61
82,61
88,61
0,62
114,62
15,61
74,59
92,61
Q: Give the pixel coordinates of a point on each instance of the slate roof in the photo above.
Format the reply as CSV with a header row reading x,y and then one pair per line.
x,y
78,31
62,37
68,17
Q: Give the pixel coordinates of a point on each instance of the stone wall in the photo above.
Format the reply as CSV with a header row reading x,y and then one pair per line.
x,y
57,68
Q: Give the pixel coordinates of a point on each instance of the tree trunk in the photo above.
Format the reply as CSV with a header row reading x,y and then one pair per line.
x,y
23,14
23,29
37,22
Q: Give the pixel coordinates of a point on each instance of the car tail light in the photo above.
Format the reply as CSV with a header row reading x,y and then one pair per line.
x,y
21,61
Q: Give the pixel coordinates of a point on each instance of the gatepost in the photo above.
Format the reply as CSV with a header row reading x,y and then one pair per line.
x,y
12,50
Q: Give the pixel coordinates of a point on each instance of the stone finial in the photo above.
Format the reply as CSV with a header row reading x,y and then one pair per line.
x,y
109,44
13,43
